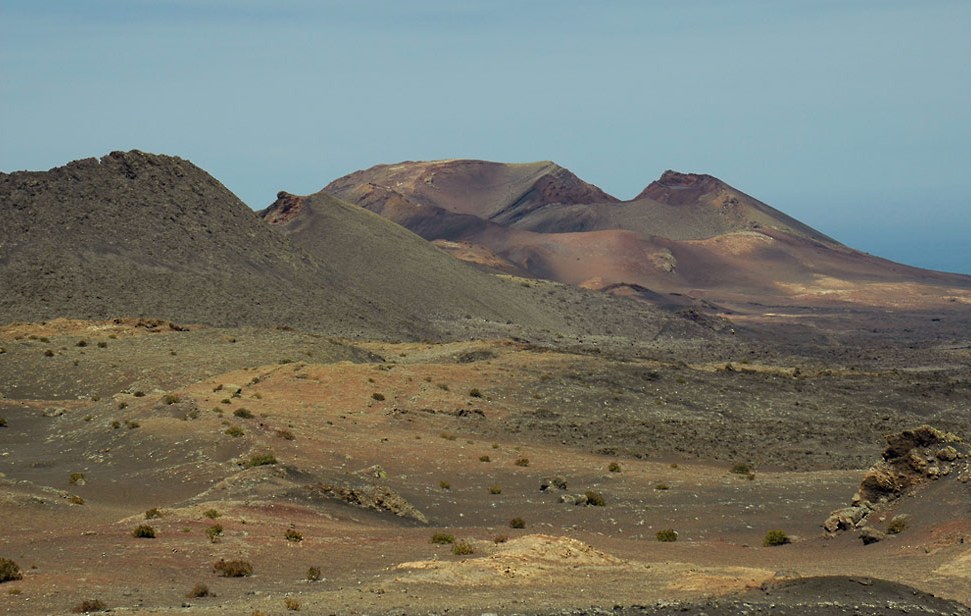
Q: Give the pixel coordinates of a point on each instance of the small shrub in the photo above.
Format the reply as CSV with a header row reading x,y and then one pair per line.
x,y
243,413
667,535
82,343
214,532
442,538
595,499
260,459
444,485
48,353
475,393
115,424
199,590
291,604
170,399
234,431
212,514
377,396
485,459
143,531
102,345
153,513
898,524
462,549
500,539
9,570
517,523
495,489
774,538
90,605
76,500
3,422
232,568
285,435
139,394
313,574
741,469
225,401
447,436
76,479
522,462
614,467
293,535
662,486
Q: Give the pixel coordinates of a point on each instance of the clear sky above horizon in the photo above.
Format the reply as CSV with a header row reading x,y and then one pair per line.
x,y
852,116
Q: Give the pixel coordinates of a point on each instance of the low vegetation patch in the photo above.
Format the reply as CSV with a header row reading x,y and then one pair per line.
x,y
293,535
667,535
143,531
614,467
243,413
522,462
462,549
153,513
379,397
212,514
475,393
199,590
898,524
313,574
495,489
9,570
76,479
234,431
517,523
170,399
232,568
595,499
442,538
291,604
260,459
774,538
214,532
90,605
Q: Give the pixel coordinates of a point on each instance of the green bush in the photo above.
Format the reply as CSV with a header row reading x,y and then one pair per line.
x,y
495,489
614,467
462,549
898,524
212,514
214,532
313,574
9,570
143,531
667,535
232,568
774,538
444,485
741,469
442,538
243,413
3,422
234,431
90,605
199,590
260,459
595,499
517,523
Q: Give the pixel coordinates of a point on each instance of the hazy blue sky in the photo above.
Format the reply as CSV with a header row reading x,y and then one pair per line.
x,y
853,116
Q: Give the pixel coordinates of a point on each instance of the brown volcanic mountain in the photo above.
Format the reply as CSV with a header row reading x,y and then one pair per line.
x,y
135,234
685,233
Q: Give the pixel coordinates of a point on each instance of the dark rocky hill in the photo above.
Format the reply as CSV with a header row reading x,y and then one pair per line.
x,y
136,234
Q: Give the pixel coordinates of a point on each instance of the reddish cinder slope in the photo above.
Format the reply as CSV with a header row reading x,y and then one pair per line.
x,y
684,233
